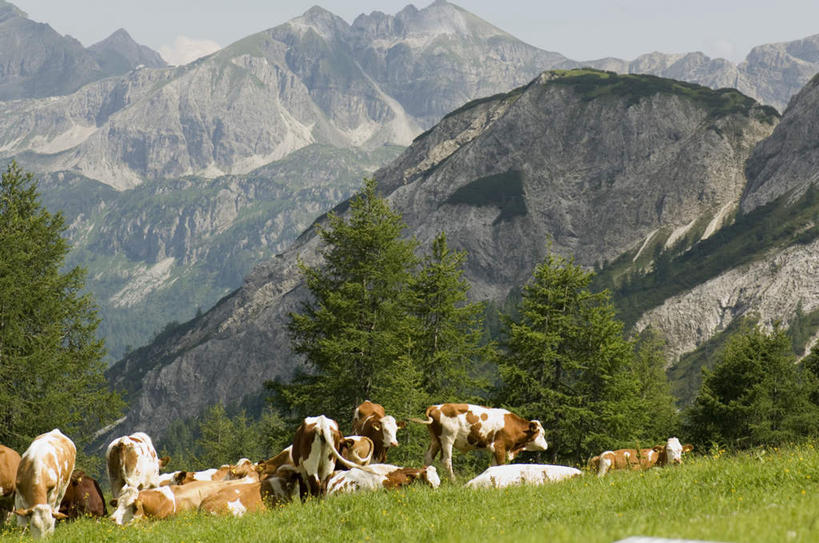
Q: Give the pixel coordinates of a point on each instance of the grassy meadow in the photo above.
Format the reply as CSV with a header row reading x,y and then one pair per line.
x,y
763,495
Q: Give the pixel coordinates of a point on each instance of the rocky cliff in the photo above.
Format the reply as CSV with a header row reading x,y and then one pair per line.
x,y
594,161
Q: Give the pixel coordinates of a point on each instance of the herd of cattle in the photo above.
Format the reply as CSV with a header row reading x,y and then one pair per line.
x,y
45,487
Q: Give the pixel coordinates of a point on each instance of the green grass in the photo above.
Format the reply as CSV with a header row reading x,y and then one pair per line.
x,y
759,496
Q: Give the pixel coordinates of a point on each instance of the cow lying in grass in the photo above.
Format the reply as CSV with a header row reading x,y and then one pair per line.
x,y
244,468
522,474
380,477
252,497
83,497
666,454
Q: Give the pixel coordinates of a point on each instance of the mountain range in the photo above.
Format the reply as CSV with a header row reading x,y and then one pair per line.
x,y
177,180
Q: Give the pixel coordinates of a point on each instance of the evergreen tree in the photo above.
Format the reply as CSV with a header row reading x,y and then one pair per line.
x,y
51,366
755,394
659,417
568,363
357,331
449,341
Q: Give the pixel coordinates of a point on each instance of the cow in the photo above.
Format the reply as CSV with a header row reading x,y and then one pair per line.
x,y
467,427
42,477
164,501
83,497
357,449
522,474
668,453
269,467
243,468
9,460
370,420
315,452
257,496
132,461
380,477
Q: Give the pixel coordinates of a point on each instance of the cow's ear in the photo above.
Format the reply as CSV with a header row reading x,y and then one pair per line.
x,y
164,461
688,447
401,424
113,502
24,512
59,516
658,448
533,427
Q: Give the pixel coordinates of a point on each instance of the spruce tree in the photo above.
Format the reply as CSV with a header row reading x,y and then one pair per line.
x,y
659,417
568,364
756,394
356,332
448,346
51,366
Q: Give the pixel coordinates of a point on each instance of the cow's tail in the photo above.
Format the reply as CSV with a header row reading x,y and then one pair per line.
x,y
366,459
419,421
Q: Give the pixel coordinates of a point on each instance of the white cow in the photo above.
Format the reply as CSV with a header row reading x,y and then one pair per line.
x,y
522,474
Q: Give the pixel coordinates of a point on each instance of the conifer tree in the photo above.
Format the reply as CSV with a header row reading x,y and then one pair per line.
x,y
449,341
356,332
568,364
51,367
756,394
659,417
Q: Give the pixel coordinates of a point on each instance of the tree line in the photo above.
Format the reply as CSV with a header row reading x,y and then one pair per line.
x,y
389,322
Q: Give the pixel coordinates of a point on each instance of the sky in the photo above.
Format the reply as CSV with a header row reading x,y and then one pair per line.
x,y
580,30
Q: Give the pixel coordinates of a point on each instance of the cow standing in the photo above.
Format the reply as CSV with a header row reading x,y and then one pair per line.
x,y
370,420
9,460
83,497
315,452
42,477
467,427
132,461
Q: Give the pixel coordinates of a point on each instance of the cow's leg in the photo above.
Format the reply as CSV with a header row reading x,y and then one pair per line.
x,y
434,447
498,455
605,464
446,457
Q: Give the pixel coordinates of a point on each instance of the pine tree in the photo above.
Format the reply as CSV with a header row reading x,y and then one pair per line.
x,y
449,341
51,366
568,364
357,330
754,395
660,419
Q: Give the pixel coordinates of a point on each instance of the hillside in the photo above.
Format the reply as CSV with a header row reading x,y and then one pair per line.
x,y
501,176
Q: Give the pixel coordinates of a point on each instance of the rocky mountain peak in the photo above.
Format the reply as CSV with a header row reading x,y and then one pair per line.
x,y
788,161
9,10
119,53
325,23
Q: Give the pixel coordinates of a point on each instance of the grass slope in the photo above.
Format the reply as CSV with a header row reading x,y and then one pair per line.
x,y
759,496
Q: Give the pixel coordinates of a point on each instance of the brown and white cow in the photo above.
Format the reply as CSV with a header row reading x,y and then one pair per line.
x,y
269,467
83,497
42,477
258,496
9,460
357,449
668,453
522,474
228,472
132,461
467,427
162,502
315,452
380,477
370,420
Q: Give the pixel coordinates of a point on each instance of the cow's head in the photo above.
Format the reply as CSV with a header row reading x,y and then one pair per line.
x,y
164,461
128,506
41,519
673,451
430,475
536,437
389,430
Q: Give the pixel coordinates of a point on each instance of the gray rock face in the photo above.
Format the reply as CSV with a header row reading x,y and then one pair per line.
x,y
35,61
595,172
788,161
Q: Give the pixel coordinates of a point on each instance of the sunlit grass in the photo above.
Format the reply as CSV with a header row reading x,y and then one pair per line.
x,y
764,495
